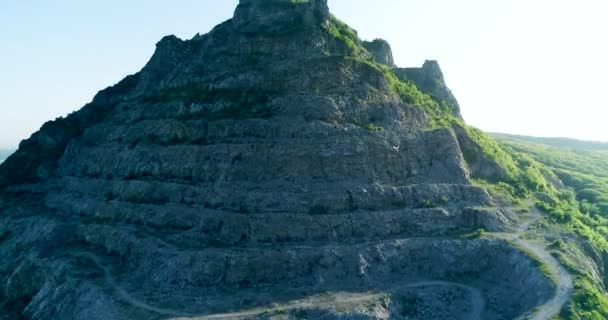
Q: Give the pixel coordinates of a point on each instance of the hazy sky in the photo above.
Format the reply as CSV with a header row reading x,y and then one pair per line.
x,y
533,67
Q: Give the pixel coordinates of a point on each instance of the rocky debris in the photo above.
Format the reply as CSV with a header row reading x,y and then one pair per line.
x,y
267,160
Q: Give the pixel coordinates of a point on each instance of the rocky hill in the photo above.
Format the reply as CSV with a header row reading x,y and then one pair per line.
x,y
276,167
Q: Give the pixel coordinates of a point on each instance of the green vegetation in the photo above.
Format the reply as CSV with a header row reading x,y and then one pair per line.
x,y
440,113
486,147
588,302
374,128
475,234
346,35
520,173
581,177
540,265
426,203
572,187
561,143
410,94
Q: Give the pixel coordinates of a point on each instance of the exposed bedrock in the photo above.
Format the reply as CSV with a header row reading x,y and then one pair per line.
x,y
215,278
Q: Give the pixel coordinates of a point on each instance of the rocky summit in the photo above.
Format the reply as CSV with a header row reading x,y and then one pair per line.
x,y
277,167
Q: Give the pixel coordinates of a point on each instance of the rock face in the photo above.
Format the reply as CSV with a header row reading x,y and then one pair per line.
x,y
381,50
480,164
429,78
264,162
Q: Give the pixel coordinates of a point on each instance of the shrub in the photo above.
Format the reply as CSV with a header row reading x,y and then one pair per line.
x,y
374,128
426,203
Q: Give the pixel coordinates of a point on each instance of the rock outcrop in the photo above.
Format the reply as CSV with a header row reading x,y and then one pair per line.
x,y
429,78
381,50
267,161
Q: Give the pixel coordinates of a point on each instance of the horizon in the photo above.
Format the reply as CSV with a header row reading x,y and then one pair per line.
x,y
546,52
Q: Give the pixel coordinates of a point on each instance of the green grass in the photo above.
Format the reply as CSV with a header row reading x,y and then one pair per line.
x,y
479,233
490,150
374,128
588,302
341,32
571,187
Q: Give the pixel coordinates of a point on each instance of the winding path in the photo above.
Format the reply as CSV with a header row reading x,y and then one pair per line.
x,y
477,302
542,312
563,279
123,294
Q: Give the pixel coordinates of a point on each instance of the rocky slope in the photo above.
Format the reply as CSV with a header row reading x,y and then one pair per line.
x,y
276,158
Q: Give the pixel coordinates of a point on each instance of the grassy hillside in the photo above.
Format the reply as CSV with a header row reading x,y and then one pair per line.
x,y
583,170
562,143
574,180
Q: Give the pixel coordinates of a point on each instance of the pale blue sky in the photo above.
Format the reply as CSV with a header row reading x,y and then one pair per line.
x,y
533,67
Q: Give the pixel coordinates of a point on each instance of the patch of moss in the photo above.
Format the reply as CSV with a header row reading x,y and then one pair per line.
x,y
347,35
479,233
374,128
